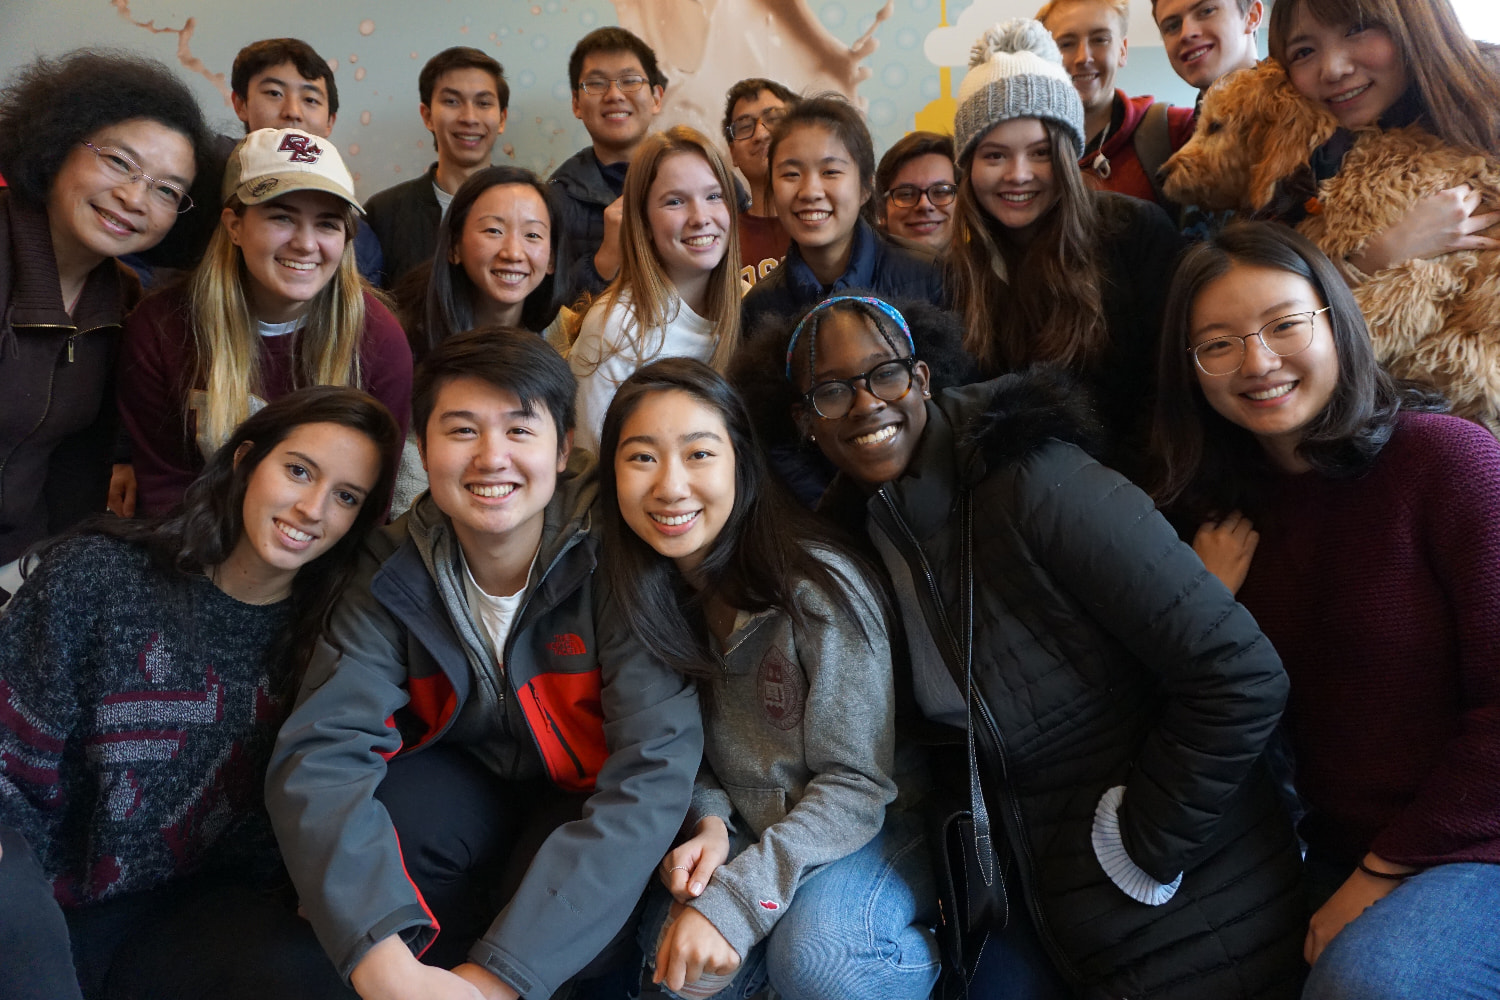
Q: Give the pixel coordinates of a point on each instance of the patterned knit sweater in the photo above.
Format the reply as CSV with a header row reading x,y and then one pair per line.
x,y
1382,595
135,722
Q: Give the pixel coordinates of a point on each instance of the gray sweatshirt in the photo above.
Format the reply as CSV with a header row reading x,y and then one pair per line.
x,y
797,751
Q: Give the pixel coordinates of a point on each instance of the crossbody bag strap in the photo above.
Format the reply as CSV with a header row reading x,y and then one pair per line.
x,y
984,846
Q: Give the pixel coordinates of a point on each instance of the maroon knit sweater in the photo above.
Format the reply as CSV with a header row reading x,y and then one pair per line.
x,y
1382,595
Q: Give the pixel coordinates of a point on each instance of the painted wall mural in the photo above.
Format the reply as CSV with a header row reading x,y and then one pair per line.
x,y
900,60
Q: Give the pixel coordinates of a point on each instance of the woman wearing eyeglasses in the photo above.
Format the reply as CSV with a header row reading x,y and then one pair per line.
x,y
276,304
99,152
1115,697
915,181
1364,535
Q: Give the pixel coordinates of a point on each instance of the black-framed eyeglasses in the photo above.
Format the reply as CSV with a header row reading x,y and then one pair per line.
x,y
598,87
1282,336
908,195
121,166
743,127
887,381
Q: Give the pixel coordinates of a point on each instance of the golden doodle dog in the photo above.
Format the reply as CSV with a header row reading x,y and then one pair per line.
x,y
1433,321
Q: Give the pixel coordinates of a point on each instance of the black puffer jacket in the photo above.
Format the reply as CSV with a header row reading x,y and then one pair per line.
x,y
1104,654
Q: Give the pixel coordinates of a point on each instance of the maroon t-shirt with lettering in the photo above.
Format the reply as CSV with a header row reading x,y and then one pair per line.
x,y
763,242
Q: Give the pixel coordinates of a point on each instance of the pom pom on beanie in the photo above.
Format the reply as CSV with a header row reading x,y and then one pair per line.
x,y
1015,71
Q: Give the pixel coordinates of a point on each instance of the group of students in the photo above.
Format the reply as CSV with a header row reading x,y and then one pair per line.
x,y
1124,553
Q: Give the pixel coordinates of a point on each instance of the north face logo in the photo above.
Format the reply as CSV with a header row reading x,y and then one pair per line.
x,y
566,644
302,150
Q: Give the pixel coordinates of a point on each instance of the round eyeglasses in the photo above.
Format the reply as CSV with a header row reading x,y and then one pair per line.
x,y
121,166
743,127
908,195
599,86
1283,336
887,381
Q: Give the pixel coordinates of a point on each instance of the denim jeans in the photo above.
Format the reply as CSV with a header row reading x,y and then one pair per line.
x,y
860,927
1437,935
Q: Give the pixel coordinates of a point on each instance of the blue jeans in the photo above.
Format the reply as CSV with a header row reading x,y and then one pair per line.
x,y
1437,935
860,927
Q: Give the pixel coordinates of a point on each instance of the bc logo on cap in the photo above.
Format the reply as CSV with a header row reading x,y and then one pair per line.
x,y
302,151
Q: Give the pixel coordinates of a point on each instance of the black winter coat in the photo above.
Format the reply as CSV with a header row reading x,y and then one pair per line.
x,y
1104,655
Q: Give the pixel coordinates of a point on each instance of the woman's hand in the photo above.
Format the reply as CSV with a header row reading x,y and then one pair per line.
x,y
389,971
1438,224
1226,548
690,947
686,869
1358,893
121,502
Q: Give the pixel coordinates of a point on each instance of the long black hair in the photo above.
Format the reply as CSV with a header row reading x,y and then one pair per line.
x,y
202,532
1207,465
441,302
766,548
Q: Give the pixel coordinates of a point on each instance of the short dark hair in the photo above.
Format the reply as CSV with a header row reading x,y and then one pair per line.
x,y
52,105
448,305
747,89
906,149
833,112
462,57
612,39
1211,466
257,57
510,360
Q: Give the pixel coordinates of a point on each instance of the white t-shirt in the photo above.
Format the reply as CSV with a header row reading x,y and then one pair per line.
x,y
444,198
277,329
612,332
493,614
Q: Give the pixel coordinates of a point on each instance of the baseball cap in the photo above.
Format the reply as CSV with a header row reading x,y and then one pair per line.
x,y
271,162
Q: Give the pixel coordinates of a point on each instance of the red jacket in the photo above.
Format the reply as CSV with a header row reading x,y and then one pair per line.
x,y
1126,175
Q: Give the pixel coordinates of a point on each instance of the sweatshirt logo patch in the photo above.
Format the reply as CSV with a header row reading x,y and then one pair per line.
x,y
769,904
783,690
566,644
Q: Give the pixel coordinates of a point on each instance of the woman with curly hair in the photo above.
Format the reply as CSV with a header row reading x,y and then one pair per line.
x,y
99,150
145,667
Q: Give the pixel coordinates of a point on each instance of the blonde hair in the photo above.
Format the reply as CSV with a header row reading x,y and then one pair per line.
x,y
227,346
1121,9
642,273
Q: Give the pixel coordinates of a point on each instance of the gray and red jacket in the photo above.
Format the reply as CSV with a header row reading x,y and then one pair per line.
x,y
393,673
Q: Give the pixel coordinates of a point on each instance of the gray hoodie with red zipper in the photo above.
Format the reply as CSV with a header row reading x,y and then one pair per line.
x,y
403,665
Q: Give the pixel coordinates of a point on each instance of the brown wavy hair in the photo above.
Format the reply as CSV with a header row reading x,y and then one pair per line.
x,y
1042,302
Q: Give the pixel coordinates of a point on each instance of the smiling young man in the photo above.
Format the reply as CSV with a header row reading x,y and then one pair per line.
x,y
465,100
1127,138
558,755
751,109
617,93
1207,39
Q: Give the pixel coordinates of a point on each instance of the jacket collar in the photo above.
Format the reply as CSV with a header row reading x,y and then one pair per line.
x,y
864,254
36,289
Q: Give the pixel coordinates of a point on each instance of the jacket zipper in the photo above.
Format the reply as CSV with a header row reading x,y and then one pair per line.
x,y
47,407
1028,863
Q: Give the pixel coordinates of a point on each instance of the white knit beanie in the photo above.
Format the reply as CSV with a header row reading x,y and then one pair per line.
x,y
1015,71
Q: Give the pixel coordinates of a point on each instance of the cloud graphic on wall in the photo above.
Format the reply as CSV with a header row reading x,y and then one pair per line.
x,y
949,46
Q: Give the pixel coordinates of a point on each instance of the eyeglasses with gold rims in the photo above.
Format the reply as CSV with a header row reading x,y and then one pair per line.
x,y
599,86
888,381
908,195
121,166
743,127
1282,336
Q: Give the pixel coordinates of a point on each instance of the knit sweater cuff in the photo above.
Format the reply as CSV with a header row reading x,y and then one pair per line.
x,y
1109,848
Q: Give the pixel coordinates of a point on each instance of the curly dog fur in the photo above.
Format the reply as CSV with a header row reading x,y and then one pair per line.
x,y
1433,321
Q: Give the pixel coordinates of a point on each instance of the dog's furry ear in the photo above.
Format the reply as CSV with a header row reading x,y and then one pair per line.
x,y
1287,128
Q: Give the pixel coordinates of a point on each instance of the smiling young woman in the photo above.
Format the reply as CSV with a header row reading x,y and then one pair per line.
x,y
1041,268
276,303
678,292
784,631
99,152
136,845
1362,533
